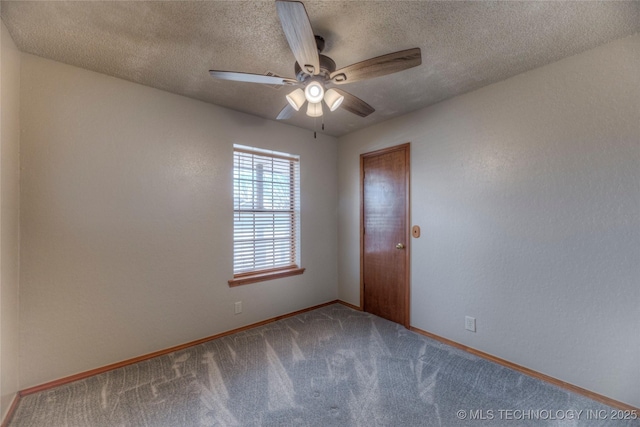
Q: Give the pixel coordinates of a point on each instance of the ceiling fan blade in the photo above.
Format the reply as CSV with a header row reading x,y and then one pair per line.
x,y
355,105
297,29
378,66
252,78
286,112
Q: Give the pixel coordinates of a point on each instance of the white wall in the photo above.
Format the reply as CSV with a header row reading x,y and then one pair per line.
x,y
528,195
127,220
9,217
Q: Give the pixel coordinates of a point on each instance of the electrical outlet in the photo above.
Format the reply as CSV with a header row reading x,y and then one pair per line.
x,y
470,323
238,307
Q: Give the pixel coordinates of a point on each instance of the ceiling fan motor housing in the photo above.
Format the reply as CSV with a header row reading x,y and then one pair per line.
x,y
319,43
327,66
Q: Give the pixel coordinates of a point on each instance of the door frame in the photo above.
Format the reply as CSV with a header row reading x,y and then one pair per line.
x,y
407,281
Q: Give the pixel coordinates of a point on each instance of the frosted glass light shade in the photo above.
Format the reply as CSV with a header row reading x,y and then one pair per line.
x,y
296,99
333,99
314,92
314,109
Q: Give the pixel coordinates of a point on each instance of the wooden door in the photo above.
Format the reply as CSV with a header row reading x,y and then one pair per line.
x,y
384,233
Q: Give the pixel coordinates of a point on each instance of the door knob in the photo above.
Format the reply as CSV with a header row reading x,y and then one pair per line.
x,y
399,246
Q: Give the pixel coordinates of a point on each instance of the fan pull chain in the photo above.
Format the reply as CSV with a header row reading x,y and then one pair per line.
x,y
315,125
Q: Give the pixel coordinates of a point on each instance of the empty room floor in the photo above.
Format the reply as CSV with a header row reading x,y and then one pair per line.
x,y
333,366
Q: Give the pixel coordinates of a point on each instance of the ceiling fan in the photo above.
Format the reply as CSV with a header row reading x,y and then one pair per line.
x,y
316,74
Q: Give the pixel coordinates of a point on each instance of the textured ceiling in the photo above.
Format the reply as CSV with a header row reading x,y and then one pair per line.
x,y
171,45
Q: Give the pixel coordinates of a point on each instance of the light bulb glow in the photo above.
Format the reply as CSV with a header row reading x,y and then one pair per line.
x,y
333,99
314,92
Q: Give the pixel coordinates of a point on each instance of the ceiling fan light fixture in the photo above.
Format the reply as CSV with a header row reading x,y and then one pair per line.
x,y
333,99
314,109
296,99
314,92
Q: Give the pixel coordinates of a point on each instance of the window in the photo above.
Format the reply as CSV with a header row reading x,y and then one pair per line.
x,y
266,223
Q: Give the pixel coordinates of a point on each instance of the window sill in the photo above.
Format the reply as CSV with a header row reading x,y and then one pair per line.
x,y
247,278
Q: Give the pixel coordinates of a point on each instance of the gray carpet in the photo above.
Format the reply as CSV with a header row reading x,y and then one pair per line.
x,y
329,367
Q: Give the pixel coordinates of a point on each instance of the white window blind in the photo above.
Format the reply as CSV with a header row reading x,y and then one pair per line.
x,y
266,210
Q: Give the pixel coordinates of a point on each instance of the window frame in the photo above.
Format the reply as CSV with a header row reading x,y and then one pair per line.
x,y
264,274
